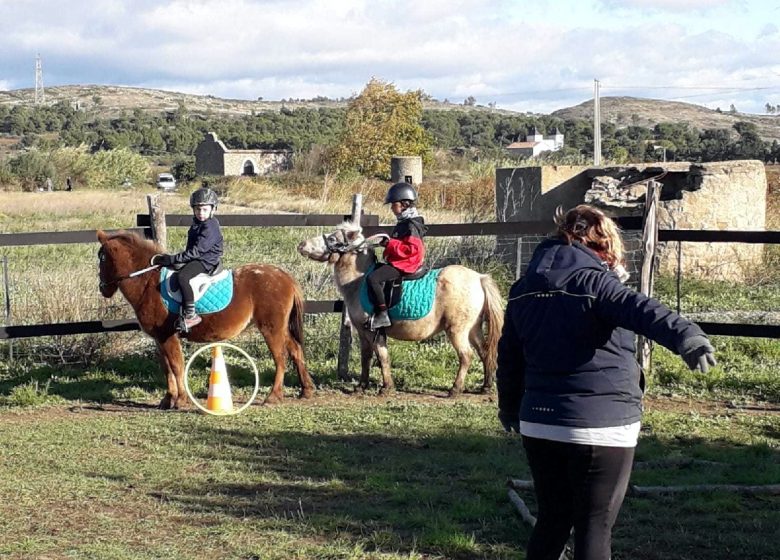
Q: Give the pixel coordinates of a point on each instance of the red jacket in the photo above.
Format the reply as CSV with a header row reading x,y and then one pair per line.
x,y
405,249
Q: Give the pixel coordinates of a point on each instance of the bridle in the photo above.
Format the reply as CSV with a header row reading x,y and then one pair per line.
x,y
334,245
102,284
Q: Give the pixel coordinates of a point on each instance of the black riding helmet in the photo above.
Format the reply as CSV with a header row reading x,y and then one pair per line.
x,y
203,196
399,192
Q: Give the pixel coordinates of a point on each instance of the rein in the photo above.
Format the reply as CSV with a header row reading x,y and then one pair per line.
x,y
131,275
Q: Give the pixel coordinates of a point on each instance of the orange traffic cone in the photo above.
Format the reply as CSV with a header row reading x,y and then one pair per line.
x,y
219,401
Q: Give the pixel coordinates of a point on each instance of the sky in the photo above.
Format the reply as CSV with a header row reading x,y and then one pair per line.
x,y
536,56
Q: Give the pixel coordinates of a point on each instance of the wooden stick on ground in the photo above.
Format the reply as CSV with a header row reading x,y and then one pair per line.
x,y
634,490
522,509
772,489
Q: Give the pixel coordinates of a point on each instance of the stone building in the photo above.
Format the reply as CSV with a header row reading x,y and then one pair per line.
x,y
212,157
728,195
535,144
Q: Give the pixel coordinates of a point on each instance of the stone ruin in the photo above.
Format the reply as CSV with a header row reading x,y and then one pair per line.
x,y
709,196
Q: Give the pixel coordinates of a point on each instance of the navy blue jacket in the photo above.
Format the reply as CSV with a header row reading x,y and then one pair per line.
x,y
566,354
204,243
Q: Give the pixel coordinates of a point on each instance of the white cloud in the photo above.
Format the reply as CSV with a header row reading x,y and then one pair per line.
x,y
451,49
667,5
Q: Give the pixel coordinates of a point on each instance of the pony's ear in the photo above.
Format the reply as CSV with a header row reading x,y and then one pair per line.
x,y
351,235
101,235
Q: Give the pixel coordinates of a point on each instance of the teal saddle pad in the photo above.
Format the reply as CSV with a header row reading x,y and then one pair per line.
x,y
416,297
216,297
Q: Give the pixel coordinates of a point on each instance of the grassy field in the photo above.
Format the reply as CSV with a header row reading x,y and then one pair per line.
x,y
92,470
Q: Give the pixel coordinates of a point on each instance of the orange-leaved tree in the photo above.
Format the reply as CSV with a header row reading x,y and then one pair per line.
x,y
381,122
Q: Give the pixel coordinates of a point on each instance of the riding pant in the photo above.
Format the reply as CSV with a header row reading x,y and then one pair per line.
x,y
376,281
187,273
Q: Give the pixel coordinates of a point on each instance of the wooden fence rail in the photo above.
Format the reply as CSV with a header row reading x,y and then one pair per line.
x,y
371,226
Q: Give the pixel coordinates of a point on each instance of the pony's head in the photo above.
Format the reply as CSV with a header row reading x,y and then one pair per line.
x,y
347,238
119,254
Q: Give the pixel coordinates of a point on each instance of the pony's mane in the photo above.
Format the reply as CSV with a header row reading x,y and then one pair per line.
x,y
349,226
136,241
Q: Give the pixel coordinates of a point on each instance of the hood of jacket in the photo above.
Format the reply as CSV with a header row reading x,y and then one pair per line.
x,y
554,262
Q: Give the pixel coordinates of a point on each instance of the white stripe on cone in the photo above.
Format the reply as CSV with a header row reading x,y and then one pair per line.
x,y
220,398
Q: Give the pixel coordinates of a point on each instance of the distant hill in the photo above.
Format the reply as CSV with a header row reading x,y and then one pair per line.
x,y
110,101
625,111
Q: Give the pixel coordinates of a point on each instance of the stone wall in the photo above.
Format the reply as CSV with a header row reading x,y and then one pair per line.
x,y
212,157
711,196
730,196
265,162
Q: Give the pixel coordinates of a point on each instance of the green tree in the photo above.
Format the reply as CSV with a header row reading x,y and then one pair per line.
x,y
381,122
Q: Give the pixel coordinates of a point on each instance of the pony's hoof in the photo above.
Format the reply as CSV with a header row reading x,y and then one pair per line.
x,y
386,391
166,403
454,392
306,393
487,390
273,398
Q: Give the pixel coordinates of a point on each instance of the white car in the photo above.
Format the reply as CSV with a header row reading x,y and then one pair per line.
x,y
166,182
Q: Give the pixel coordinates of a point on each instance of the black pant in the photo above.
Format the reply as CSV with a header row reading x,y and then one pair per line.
x,y
376,281
187,273
579,486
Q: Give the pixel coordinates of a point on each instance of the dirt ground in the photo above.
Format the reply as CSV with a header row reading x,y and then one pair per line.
x,y
334,397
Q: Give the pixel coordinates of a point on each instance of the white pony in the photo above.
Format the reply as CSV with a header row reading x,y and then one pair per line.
x,y
464,301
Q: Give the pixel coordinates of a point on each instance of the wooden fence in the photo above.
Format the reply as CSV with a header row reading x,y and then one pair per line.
x,y
371,225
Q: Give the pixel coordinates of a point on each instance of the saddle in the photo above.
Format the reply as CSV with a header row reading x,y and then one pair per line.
x,y
408,298
212,292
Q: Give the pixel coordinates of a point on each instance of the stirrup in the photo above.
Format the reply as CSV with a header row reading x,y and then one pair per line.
x,y
185,323
372,324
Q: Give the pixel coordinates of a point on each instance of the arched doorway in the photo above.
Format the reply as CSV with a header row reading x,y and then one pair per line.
x,y
249,168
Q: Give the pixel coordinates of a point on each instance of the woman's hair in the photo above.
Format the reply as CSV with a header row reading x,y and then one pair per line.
x,y
591,227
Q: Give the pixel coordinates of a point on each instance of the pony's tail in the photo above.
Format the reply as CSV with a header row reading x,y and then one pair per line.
x,y
295,324
493,315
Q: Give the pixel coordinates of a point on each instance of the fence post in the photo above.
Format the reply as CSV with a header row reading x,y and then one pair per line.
x,y
649,242
7,291
345,333
157,219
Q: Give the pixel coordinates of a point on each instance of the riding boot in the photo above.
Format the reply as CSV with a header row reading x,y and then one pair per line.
x,y
188,317
380,319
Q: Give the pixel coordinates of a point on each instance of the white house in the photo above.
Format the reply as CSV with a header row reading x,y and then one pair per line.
x,y
535,144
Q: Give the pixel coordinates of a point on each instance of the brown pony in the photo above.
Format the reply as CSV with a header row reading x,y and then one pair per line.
x,y
263,294
465,301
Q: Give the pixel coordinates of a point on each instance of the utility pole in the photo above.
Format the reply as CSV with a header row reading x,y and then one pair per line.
x,y
40,97
596,125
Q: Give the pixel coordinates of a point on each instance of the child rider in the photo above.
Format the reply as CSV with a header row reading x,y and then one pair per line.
x,y
203,252
404,251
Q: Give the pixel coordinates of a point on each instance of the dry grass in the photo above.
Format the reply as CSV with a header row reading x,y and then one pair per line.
x,y
773,197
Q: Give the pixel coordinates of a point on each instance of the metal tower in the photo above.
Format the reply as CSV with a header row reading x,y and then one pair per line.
x,y
40,96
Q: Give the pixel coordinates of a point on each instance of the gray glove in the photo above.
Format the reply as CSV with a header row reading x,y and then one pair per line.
x,y
509,421
697,352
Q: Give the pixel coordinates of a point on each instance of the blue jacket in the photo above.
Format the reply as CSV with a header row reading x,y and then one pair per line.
x,y
204,243
566,354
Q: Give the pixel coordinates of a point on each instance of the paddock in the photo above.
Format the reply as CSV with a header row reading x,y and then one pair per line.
x,y
92,470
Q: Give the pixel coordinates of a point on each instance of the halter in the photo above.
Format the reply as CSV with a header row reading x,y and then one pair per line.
x,y
101,256
333,245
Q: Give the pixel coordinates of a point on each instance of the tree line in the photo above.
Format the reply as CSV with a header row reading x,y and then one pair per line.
x,y
177,133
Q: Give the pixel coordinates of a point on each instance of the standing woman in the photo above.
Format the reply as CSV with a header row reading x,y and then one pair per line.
x,y
568,380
